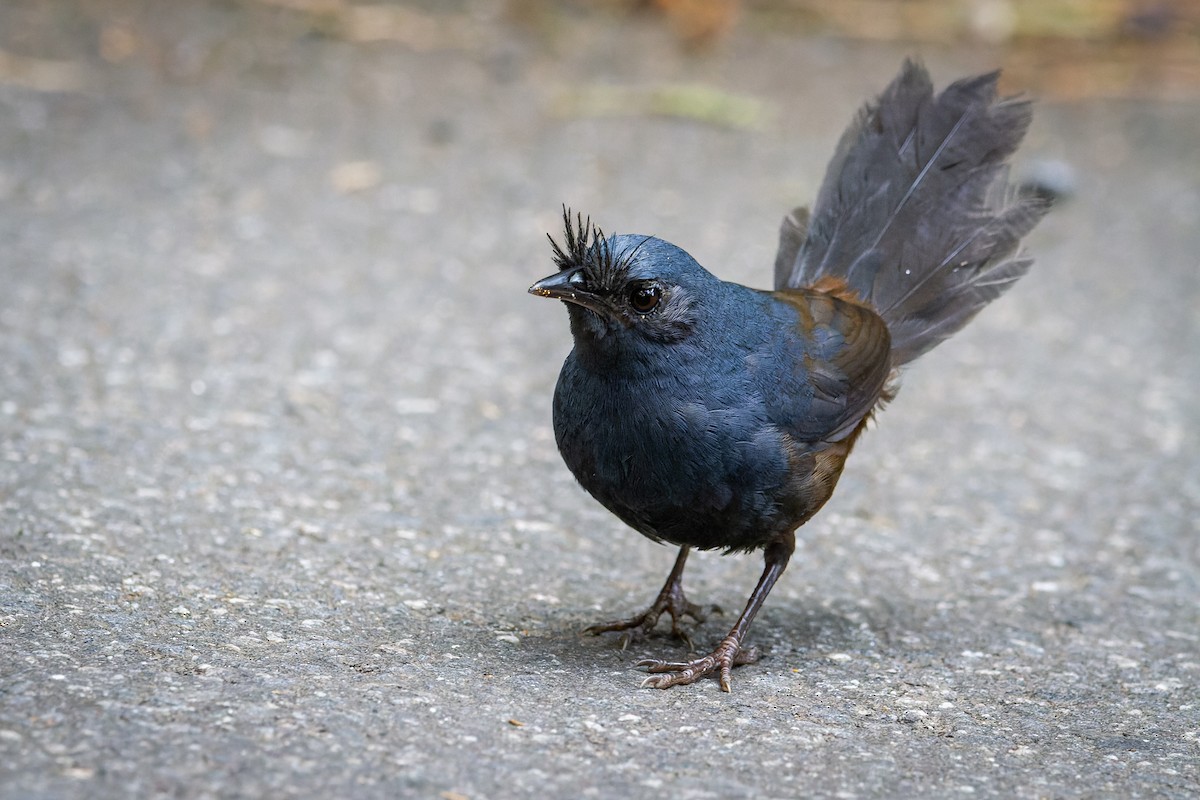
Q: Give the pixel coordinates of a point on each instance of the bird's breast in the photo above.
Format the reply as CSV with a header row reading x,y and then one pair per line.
x,y
672,455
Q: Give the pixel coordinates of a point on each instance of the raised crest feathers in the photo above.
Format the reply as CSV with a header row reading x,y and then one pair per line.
x,y
585,245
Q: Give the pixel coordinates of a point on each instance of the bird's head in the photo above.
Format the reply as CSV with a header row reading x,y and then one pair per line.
x,y
625,288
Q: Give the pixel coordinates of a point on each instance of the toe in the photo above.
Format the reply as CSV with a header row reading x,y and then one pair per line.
x,y
726,685
746,655
655,665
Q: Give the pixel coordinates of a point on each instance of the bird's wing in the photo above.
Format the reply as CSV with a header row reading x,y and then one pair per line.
x,y
845,364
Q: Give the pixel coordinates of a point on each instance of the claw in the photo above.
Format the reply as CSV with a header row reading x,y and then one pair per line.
x,y
672,603
658,682
727,655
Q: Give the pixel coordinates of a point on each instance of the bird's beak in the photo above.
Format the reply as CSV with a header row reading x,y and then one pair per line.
x,y
568,285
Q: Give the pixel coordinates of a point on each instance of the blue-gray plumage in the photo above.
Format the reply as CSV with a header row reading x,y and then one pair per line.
x,y
711,415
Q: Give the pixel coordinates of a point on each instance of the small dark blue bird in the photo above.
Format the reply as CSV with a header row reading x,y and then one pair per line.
x,y
714,416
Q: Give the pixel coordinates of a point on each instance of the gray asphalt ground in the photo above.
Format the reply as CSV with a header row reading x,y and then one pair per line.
x,y
282,514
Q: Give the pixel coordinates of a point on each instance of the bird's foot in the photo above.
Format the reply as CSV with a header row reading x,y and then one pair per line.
x,y
728,654
671,601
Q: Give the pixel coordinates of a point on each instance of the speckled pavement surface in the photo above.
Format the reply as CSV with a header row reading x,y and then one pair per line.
x,y
280,509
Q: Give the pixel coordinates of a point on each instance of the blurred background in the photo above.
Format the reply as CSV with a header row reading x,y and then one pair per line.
x,y
1065,49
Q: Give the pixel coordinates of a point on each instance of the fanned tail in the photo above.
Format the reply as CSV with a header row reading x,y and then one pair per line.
x,y
916,213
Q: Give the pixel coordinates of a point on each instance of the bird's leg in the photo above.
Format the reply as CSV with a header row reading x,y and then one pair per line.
x,y
729,653
671,600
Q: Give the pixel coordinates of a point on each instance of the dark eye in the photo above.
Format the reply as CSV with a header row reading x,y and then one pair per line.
x,y
644,297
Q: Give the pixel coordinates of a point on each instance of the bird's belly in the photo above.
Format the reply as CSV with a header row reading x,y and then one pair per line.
x,y
679,472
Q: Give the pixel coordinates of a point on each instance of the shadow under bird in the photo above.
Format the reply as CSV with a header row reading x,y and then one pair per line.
x,y
714,416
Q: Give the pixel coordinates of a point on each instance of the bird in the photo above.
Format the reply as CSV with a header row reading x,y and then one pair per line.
x,y
710,415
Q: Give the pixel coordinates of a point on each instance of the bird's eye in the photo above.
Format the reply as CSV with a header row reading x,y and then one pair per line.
x,y
644,297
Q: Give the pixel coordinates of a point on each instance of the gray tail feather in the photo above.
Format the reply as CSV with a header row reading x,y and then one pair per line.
x,y
916,213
